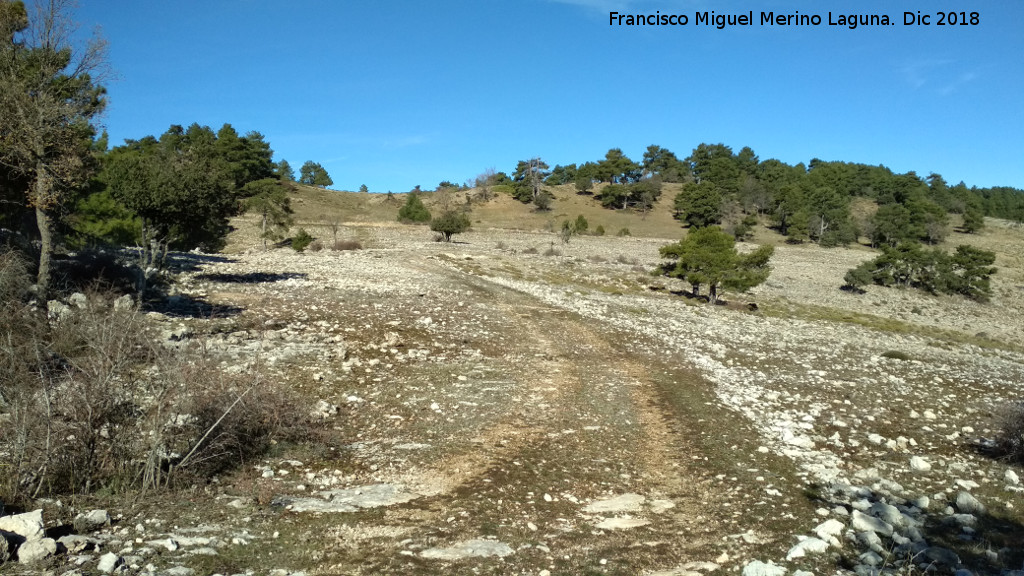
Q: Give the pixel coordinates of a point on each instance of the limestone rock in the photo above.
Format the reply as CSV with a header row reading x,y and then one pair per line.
x,y
918,464
28,525
863,522
33,551
75,543
622,523
469,549
1011,477
91,521
828,529
758,568
807,546
109,562
624,503
968,504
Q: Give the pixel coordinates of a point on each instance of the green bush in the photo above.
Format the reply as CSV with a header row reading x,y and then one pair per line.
x,y
301,240
580,226
450,224
896,355
966,272
624,232
599,231
413,211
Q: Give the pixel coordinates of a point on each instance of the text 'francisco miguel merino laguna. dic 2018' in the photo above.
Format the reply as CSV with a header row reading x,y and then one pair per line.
x,y
851,21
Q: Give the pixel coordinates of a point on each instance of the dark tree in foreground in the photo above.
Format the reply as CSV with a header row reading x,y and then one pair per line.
x,y
450,224
709,256
49,99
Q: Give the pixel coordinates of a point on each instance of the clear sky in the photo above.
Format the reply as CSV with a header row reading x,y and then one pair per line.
x,y
398,93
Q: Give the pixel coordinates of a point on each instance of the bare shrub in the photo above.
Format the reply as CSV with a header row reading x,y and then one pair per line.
x,y
350,244
315,246
209,421
531,250
91,399
1010,435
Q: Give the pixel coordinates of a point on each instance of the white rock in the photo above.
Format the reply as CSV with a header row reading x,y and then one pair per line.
x,y
109,562
28,525
863,522
1011,477
830,528
33,551
622,523
469,549
624,503
968,504
808,546
918,464
758,568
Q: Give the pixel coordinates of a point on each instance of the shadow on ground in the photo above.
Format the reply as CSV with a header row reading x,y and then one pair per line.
x,y
251,277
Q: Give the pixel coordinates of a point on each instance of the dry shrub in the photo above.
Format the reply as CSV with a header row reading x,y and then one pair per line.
x,y
531,250
1010,436
222,421
315,246
348,245
90,399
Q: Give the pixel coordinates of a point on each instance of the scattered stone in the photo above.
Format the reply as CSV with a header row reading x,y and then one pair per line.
x,y
179,571
624,503
968,504
109,562
863,522
350,500
807,546
33,551
625,523
28,525
829,529
75,543
661,506
918,464
1011,477
758,568
91,521
469,549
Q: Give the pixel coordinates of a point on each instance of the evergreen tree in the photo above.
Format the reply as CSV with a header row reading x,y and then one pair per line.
x,y
413,211
709,256
313,174
269,199
699,204
48,103
450,224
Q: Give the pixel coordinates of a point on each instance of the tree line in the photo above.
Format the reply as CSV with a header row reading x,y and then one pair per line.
x,y
812,202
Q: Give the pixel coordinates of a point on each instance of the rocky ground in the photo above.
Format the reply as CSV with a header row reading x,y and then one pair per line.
x,y
509,404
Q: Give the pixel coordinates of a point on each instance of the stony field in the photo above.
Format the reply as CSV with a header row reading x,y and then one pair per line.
x,y
508,404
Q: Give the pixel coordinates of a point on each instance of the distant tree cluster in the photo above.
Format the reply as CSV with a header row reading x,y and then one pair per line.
x,y
966,272
313,174
806,203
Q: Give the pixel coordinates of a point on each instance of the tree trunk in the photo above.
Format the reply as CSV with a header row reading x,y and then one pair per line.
x,y
264,230
713,293
45,224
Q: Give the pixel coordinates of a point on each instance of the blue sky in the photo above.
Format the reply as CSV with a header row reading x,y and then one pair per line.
x,y
394,94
